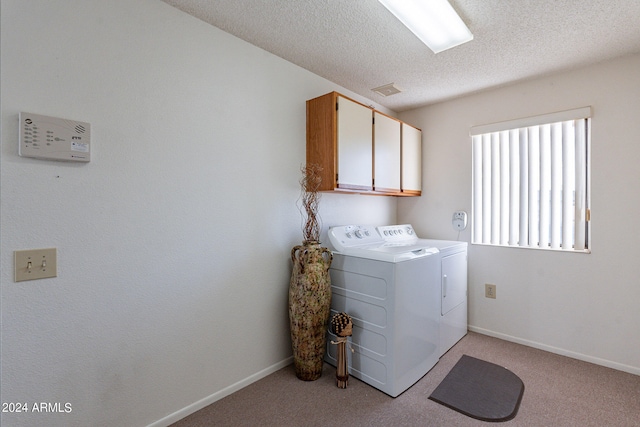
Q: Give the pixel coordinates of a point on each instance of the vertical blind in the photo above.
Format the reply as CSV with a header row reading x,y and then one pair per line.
x,y
531,182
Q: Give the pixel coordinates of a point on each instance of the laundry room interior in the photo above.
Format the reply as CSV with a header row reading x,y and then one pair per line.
x,y
174,241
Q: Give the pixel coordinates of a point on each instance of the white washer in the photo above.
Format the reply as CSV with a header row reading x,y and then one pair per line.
x,y
388,281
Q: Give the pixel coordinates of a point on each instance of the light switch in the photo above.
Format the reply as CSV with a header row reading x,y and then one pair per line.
x,y
35,264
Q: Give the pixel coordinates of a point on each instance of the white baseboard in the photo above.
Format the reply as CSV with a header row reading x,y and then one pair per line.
x,y
595,360
182,413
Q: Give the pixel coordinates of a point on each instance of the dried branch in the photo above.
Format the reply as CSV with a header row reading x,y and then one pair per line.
x,y
310,183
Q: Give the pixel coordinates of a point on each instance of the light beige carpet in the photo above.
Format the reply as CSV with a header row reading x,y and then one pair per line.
x,y
559,391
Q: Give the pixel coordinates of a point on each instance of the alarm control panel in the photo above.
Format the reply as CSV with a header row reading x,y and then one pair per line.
x,y
53,138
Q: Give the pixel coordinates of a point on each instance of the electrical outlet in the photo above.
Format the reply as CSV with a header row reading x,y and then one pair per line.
x,y
459,220
490,290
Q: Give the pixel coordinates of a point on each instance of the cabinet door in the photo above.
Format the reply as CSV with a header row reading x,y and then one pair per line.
x,y
386,144
355,145
411,158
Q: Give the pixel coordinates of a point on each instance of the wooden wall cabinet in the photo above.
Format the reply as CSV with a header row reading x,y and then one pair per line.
x,y
411,160
362,150
387,153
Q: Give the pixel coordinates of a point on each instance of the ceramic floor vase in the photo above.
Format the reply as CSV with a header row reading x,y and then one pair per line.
x,y
309,306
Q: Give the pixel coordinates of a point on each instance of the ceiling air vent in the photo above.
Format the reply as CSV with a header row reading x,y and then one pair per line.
x,y
387,90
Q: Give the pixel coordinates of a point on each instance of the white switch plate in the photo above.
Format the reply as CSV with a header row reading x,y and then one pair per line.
x,y
35,264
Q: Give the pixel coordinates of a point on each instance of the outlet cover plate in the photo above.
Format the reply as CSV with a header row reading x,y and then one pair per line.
x,y
490,290
35,264
459,220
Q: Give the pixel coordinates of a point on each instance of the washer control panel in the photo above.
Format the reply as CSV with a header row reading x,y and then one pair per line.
x,y
353,236
349,236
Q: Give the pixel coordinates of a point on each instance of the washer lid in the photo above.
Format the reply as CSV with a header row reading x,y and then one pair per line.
x,y
390,253
388,243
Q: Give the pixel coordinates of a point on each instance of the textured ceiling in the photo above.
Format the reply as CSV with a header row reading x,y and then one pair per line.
x,y
359,45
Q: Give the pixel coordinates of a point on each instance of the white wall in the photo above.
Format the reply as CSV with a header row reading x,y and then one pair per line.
x,y
584,306
173,242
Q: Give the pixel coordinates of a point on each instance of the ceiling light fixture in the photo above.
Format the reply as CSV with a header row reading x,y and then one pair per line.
x,y
434,22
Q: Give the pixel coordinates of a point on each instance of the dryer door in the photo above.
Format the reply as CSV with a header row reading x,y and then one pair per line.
x,y
454,281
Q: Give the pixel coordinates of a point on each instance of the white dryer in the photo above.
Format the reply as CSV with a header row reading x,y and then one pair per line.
x,y
453,282
388,281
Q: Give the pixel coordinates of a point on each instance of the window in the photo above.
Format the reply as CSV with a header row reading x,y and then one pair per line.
x,y
531,182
